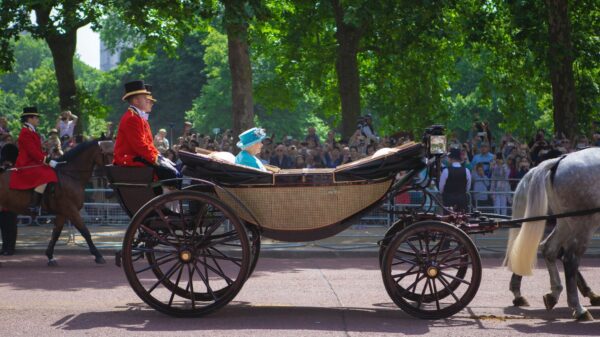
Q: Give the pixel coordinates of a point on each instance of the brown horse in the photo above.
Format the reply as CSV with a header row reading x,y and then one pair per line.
x,y
66,198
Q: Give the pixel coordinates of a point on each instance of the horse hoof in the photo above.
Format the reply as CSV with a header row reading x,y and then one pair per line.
x,y
520,302
52,263
583,317
100,260
594,300
549,301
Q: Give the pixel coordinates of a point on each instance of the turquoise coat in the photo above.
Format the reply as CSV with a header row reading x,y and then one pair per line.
x,y
245,158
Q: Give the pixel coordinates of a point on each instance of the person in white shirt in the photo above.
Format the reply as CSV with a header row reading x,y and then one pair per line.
x,y
65,124
161,142
368,131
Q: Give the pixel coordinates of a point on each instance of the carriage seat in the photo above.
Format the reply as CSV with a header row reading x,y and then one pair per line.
x,y
382,165
132,185
207,165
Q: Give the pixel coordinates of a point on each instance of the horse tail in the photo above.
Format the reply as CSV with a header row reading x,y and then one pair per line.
x,y
523,253
519,204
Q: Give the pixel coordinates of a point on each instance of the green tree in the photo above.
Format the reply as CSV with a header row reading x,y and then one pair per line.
x,y
392,58
170,21
561,37
11,106
29,54
42,92
176,77
57,23
278,108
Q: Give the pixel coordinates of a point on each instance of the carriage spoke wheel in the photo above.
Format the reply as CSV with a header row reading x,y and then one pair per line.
x,y
431,270
254,232
186,254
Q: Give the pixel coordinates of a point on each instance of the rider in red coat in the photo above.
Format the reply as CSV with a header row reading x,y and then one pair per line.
x,y
31,168
134,145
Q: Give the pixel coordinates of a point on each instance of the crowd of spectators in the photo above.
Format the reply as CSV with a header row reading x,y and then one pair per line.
x,y
496,165
287,152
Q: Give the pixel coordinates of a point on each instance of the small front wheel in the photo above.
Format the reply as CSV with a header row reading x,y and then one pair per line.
x,y
431,269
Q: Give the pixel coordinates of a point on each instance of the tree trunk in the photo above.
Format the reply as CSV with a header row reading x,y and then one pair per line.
x,y
242,105
346,65
560,59
63,51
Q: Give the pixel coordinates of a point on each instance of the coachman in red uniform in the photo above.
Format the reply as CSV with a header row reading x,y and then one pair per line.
x,y
32,168
134,145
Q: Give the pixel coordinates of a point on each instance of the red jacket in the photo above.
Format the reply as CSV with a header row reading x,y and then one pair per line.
x,y
30,154
134,139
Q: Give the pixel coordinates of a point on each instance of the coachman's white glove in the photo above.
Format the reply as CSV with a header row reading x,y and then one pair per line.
x,y
53,163
165,162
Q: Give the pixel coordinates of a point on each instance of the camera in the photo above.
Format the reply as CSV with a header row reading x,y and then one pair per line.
x,y
510,144
482,134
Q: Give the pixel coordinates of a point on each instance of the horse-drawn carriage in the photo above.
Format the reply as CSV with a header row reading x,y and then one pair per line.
x,y
189,252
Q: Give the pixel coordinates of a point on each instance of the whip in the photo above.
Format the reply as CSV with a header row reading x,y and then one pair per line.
x,y
33,166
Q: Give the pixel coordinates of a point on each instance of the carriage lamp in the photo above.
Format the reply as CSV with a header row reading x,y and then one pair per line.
x,y
435,139
437,145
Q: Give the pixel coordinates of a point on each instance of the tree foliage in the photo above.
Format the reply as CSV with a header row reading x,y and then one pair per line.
x,y
417,63
57,23
176,78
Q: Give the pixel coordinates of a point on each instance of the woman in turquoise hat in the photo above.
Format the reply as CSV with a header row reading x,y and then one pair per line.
x,y
251,143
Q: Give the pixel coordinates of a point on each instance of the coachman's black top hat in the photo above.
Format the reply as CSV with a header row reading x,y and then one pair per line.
x,y
137,88
30,111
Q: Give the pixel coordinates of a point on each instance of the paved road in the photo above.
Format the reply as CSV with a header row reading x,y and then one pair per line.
x,y
284,297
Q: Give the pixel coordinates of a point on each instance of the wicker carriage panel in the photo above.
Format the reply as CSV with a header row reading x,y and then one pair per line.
x,y
304,208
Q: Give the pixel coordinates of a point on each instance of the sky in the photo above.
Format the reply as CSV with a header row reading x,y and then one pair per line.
x,y
88,46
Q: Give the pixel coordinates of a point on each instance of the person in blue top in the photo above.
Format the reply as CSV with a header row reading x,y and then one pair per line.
x,y
251,143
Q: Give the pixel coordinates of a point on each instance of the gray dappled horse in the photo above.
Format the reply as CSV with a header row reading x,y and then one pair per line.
x,y
68,196
556,186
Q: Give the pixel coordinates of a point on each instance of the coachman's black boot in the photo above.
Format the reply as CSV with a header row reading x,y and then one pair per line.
x,y
34,205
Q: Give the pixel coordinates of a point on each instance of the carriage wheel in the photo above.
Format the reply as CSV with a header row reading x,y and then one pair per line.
x,y
186,254
431,270
254,235
460,273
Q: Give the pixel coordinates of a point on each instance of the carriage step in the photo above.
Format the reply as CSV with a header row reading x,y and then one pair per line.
x,y
118,258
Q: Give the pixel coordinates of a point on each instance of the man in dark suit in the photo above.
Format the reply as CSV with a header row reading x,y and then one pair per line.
x,y
455,181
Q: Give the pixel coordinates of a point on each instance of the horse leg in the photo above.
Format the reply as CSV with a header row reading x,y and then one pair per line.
x,y
586,290
515,288
85,233
59,222
571,266
550,251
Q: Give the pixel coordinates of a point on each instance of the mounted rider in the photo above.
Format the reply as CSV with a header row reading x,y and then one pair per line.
x,y
33,168
134,145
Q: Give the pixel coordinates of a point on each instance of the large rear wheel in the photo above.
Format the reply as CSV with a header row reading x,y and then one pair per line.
x,y
186,253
